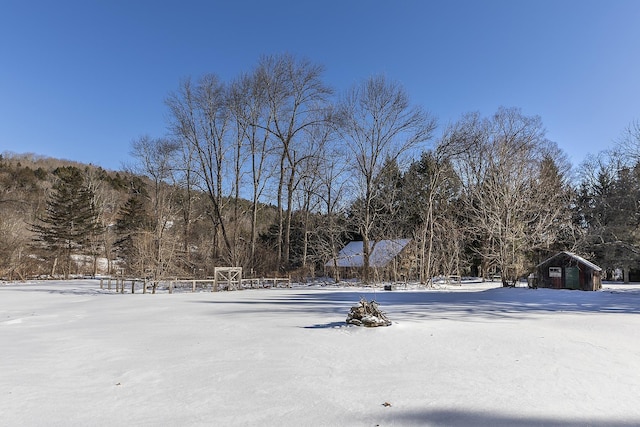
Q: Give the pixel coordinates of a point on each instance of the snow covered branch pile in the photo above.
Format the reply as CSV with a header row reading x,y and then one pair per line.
x,y
367,313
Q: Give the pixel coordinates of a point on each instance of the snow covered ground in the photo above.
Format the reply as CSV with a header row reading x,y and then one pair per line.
x,y
476,354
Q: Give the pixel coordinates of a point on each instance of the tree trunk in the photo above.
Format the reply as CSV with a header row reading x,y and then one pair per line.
x,y
286,255
366,276
280,214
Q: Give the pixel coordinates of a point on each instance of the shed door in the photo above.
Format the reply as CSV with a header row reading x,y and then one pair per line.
x,y
572,277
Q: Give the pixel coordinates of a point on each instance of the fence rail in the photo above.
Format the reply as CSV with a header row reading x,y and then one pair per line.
x,y
131,285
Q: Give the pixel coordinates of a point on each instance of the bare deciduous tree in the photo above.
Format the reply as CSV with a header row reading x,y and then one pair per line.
x,y
627,147
332,189
14,239
509,207
156,160
200,119
315,188
378,125
297,99
248,104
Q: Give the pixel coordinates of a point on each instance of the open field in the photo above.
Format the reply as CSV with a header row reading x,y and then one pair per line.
x,y
476,354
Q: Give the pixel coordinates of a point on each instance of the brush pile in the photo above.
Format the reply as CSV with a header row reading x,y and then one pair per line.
x,y
367,313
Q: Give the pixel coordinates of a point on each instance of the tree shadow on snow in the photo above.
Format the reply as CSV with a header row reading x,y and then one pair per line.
x,y
61,287
458,305
455,418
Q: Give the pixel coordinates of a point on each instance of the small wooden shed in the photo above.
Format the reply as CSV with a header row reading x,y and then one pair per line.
x,y
567,270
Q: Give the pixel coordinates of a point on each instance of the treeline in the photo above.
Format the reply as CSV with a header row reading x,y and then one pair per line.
x,y
274,172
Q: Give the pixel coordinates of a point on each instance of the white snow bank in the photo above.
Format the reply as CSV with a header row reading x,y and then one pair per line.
x,y
477,354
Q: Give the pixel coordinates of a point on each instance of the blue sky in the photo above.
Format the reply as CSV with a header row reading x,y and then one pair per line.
x,y
80,80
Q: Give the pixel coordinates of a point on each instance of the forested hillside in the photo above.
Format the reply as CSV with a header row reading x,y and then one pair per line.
x,y
59,218
274,172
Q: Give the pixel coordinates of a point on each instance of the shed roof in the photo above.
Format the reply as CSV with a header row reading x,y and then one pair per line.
x,y
382,252
574,256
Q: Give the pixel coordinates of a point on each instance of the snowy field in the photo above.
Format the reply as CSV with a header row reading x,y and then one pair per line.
x,y
470,355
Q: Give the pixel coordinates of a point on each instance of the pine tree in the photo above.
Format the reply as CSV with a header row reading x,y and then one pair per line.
x,y
133,223
70,221
608,211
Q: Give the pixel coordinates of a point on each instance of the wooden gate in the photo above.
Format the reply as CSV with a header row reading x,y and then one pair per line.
x,y
229,277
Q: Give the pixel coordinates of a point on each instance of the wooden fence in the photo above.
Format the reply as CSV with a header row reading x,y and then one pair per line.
x,y
131,285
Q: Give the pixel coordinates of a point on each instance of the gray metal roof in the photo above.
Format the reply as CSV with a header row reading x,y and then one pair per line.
x,y
382,252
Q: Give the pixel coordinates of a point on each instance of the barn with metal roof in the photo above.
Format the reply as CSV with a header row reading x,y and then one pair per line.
x,y
384,258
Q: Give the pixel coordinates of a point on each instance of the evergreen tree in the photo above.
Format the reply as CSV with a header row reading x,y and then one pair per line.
x,y
609,213
71,218
389,206
430,192
132,228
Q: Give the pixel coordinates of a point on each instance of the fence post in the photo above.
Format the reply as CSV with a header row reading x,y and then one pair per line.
x,y
144,286
101,284
109,283
133,286
171,286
